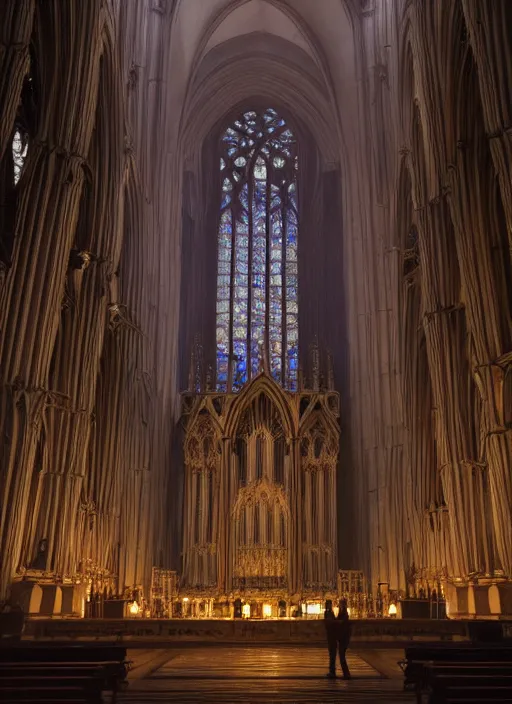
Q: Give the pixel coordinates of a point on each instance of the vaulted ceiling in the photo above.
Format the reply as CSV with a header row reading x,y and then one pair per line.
x,y
300,56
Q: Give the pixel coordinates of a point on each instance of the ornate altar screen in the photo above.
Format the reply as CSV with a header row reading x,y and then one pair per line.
x,y
260,495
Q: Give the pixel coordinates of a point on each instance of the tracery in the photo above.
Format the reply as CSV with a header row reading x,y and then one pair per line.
x,y
257,296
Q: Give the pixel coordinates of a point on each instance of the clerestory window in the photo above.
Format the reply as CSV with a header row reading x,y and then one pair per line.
x,y
19,153
257,286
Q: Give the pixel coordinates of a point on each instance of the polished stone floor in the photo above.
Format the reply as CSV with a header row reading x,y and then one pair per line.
x,y
232,675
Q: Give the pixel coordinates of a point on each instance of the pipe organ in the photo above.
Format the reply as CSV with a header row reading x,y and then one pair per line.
x,y
260,497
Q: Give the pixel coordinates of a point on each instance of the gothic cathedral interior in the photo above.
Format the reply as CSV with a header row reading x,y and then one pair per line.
x,y
256,308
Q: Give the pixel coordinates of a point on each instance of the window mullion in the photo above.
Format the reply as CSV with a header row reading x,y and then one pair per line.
x,y
231,301
266,336
249,274
284,331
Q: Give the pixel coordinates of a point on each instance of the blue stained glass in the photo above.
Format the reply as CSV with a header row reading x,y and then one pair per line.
x,y
241,278
257,158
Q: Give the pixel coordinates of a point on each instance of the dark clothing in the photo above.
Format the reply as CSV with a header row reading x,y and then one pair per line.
x,y
338,639
343,662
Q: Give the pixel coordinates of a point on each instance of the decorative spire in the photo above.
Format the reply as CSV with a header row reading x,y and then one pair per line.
x,y
315,364
330,371
198,359
192,368
209,378
300,378
261,357
266,348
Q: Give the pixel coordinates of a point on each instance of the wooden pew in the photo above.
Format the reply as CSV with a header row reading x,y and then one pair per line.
x,y
12,625
31,672
451,684
416,656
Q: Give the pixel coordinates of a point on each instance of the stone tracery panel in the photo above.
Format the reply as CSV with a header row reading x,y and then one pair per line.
x,y
319,456
260,494
202,456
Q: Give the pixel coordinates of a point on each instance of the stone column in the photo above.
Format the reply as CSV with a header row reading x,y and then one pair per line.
x,y
16,20
488,26
490,332
46,219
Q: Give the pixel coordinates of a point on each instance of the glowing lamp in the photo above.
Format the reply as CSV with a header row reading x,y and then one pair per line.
x,y
246,610
133,608
267,610
185,599
349,611
392,610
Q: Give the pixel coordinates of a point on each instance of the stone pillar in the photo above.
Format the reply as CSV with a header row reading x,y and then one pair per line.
x,y
47,213
16,18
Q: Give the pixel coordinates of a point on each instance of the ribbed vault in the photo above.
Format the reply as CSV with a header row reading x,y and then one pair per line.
x,y
259,68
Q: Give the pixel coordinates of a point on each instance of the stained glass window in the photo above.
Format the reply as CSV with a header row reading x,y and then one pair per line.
x,y
19,152
257,287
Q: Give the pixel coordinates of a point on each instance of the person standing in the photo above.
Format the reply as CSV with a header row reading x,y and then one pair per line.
x,y
338,637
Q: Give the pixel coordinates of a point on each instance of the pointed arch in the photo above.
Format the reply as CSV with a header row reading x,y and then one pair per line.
x,y
263,491
263,384
318,408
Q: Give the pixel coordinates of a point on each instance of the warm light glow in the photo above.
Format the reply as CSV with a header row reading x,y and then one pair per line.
x,y
314,609
392,610
349,610
134,608
246,610
267,610
185,599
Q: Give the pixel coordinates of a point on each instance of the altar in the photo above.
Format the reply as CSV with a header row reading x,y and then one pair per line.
x,y
259,531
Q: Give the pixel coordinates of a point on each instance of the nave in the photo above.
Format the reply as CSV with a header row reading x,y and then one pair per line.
x,y
253,675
